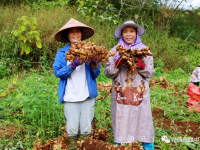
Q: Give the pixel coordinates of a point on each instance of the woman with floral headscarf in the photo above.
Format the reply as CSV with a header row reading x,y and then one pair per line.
x,y
131,121
77,86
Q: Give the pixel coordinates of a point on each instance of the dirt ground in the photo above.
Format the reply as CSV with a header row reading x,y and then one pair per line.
x,y
96,141
180,126
8,131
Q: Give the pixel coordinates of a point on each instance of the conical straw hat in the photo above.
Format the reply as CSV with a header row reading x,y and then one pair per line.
x,y
85,30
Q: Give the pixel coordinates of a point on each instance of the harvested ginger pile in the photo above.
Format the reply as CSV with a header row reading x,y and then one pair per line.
x,y
96,141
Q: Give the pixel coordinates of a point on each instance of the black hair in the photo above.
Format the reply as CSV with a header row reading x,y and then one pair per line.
x,y
64,34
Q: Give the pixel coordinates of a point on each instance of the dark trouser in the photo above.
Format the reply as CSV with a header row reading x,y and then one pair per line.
x,y
196,83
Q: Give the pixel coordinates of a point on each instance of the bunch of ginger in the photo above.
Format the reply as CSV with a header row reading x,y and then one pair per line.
x,y
130,57
99,139
87,52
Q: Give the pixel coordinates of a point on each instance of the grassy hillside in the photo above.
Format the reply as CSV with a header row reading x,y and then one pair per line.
x,y
169,53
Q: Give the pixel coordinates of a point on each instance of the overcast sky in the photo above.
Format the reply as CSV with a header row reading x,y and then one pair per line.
x,y
194,3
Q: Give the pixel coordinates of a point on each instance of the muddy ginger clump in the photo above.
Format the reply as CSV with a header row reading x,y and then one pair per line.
x,y
130,57
87,52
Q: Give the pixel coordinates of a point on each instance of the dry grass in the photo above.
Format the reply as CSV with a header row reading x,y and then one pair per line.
x,y
51,20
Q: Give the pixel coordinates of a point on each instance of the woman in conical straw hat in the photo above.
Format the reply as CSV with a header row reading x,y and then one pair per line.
x,y
77,86
131,121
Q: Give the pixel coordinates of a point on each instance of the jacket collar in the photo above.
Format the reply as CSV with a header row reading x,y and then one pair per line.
x,y
66,48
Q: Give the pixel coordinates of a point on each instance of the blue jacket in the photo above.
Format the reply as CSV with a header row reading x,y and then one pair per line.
x,y
64,71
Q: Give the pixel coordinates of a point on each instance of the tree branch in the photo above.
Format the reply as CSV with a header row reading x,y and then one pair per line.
x,y
120,9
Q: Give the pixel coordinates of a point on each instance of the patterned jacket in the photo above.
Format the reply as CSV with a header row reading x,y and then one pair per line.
x,y
195,77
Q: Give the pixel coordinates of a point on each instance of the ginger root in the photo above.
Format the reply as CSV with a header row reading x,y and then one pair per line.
x,y
87,52
130,57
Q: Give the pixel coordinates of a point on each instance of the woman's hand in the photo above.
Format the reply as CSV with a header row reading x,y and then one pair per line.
x,y
140,64
94,63
119,62
75,63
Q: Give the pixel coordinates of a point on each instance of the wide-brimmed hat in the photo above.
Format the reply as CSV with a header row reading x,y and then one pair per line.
x,y
85,30
118,30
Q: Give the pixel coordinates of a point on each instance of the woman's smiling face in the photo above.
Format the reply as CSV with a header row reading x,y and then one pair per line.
x,y
74,35
129,35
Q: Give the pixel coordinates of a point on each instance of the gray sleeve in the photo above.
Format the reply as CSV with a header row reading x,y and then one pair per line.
x,y
148,71
110,70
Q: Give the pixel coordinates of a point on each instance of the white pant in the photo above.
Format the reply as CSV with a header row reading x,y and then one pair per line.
x,y
79,114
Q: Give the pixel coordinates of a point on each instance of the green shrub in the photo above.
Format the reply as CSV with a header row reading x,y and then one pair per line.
x,y
27,35
4,70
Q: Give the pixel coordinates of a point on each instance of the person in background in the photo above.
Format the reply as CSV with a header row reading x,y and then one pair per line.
x,y
77,86
195,77
131,121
